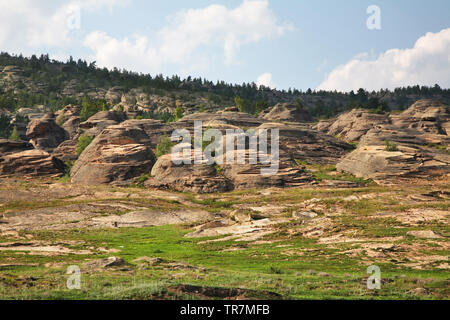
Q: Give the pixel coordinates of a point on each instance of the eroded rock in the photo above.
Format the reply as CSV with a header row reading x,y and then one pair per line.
x,y
285,112
119,153
45,134
31,163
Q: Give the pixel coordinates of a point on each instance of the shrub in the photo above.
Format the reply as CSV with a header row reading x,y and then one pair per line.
x,y
61,119
391,147
14,135
178,113
83,142
90,107
164,147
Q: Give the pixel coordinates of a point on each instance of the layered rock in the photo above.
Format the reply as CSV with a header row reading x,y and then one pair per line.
x,y
45,134
118,154
238,119
351,126
206,178
67,151
302,143
425,116
285,112
10,146
31,163
199,178
386,153
101,120
72,126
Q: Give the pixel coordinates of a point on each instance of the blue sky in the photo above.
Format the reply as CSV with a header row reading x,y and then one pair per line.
x,y
284,43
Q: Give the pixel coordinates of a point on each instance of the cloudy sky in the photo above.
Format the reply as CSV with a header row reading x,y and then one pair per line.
x,y
325,44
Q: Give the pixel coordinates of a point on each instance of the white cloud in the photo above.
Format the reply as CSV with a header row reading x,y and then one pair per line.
x,y
186,34
29,24
427,63
265,80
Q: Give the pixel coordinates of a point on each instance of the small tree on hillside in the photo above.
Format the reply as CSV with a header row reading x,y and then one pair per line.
x,y
14,135
178,112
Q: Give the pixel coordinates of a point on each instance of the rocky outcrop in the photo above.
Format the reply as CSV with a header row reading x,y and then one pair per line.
x,y
388,154
285,112
302,143
199,178
67,151
249,176
31,163
425,116
101,120
351,126
118,154
72,126
45,134
205,178
10,146
238,119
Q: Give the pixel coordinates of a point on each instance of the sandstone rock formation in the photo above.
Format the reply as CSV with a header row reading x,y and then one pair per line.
x,y
9,146
67,151
31,163
204,178
199,178
101,120
302,143
351,126
426,116
119,153
386,153
285,112
45,134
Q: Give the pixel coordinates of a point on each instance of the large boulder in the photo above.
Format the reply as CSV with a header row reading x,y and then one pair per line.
x,y
286,112
352,125
31,163
118,154
45,134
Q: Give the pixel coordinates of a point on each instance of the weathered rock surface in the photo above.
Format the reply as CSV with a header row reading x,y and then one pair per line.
x,y
351,126
285,112
11,146
67,151
238,119
104,263
205,178
425,116
302,143
101,120
72,126
31,163
409,156
119,153
199,178
45,134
